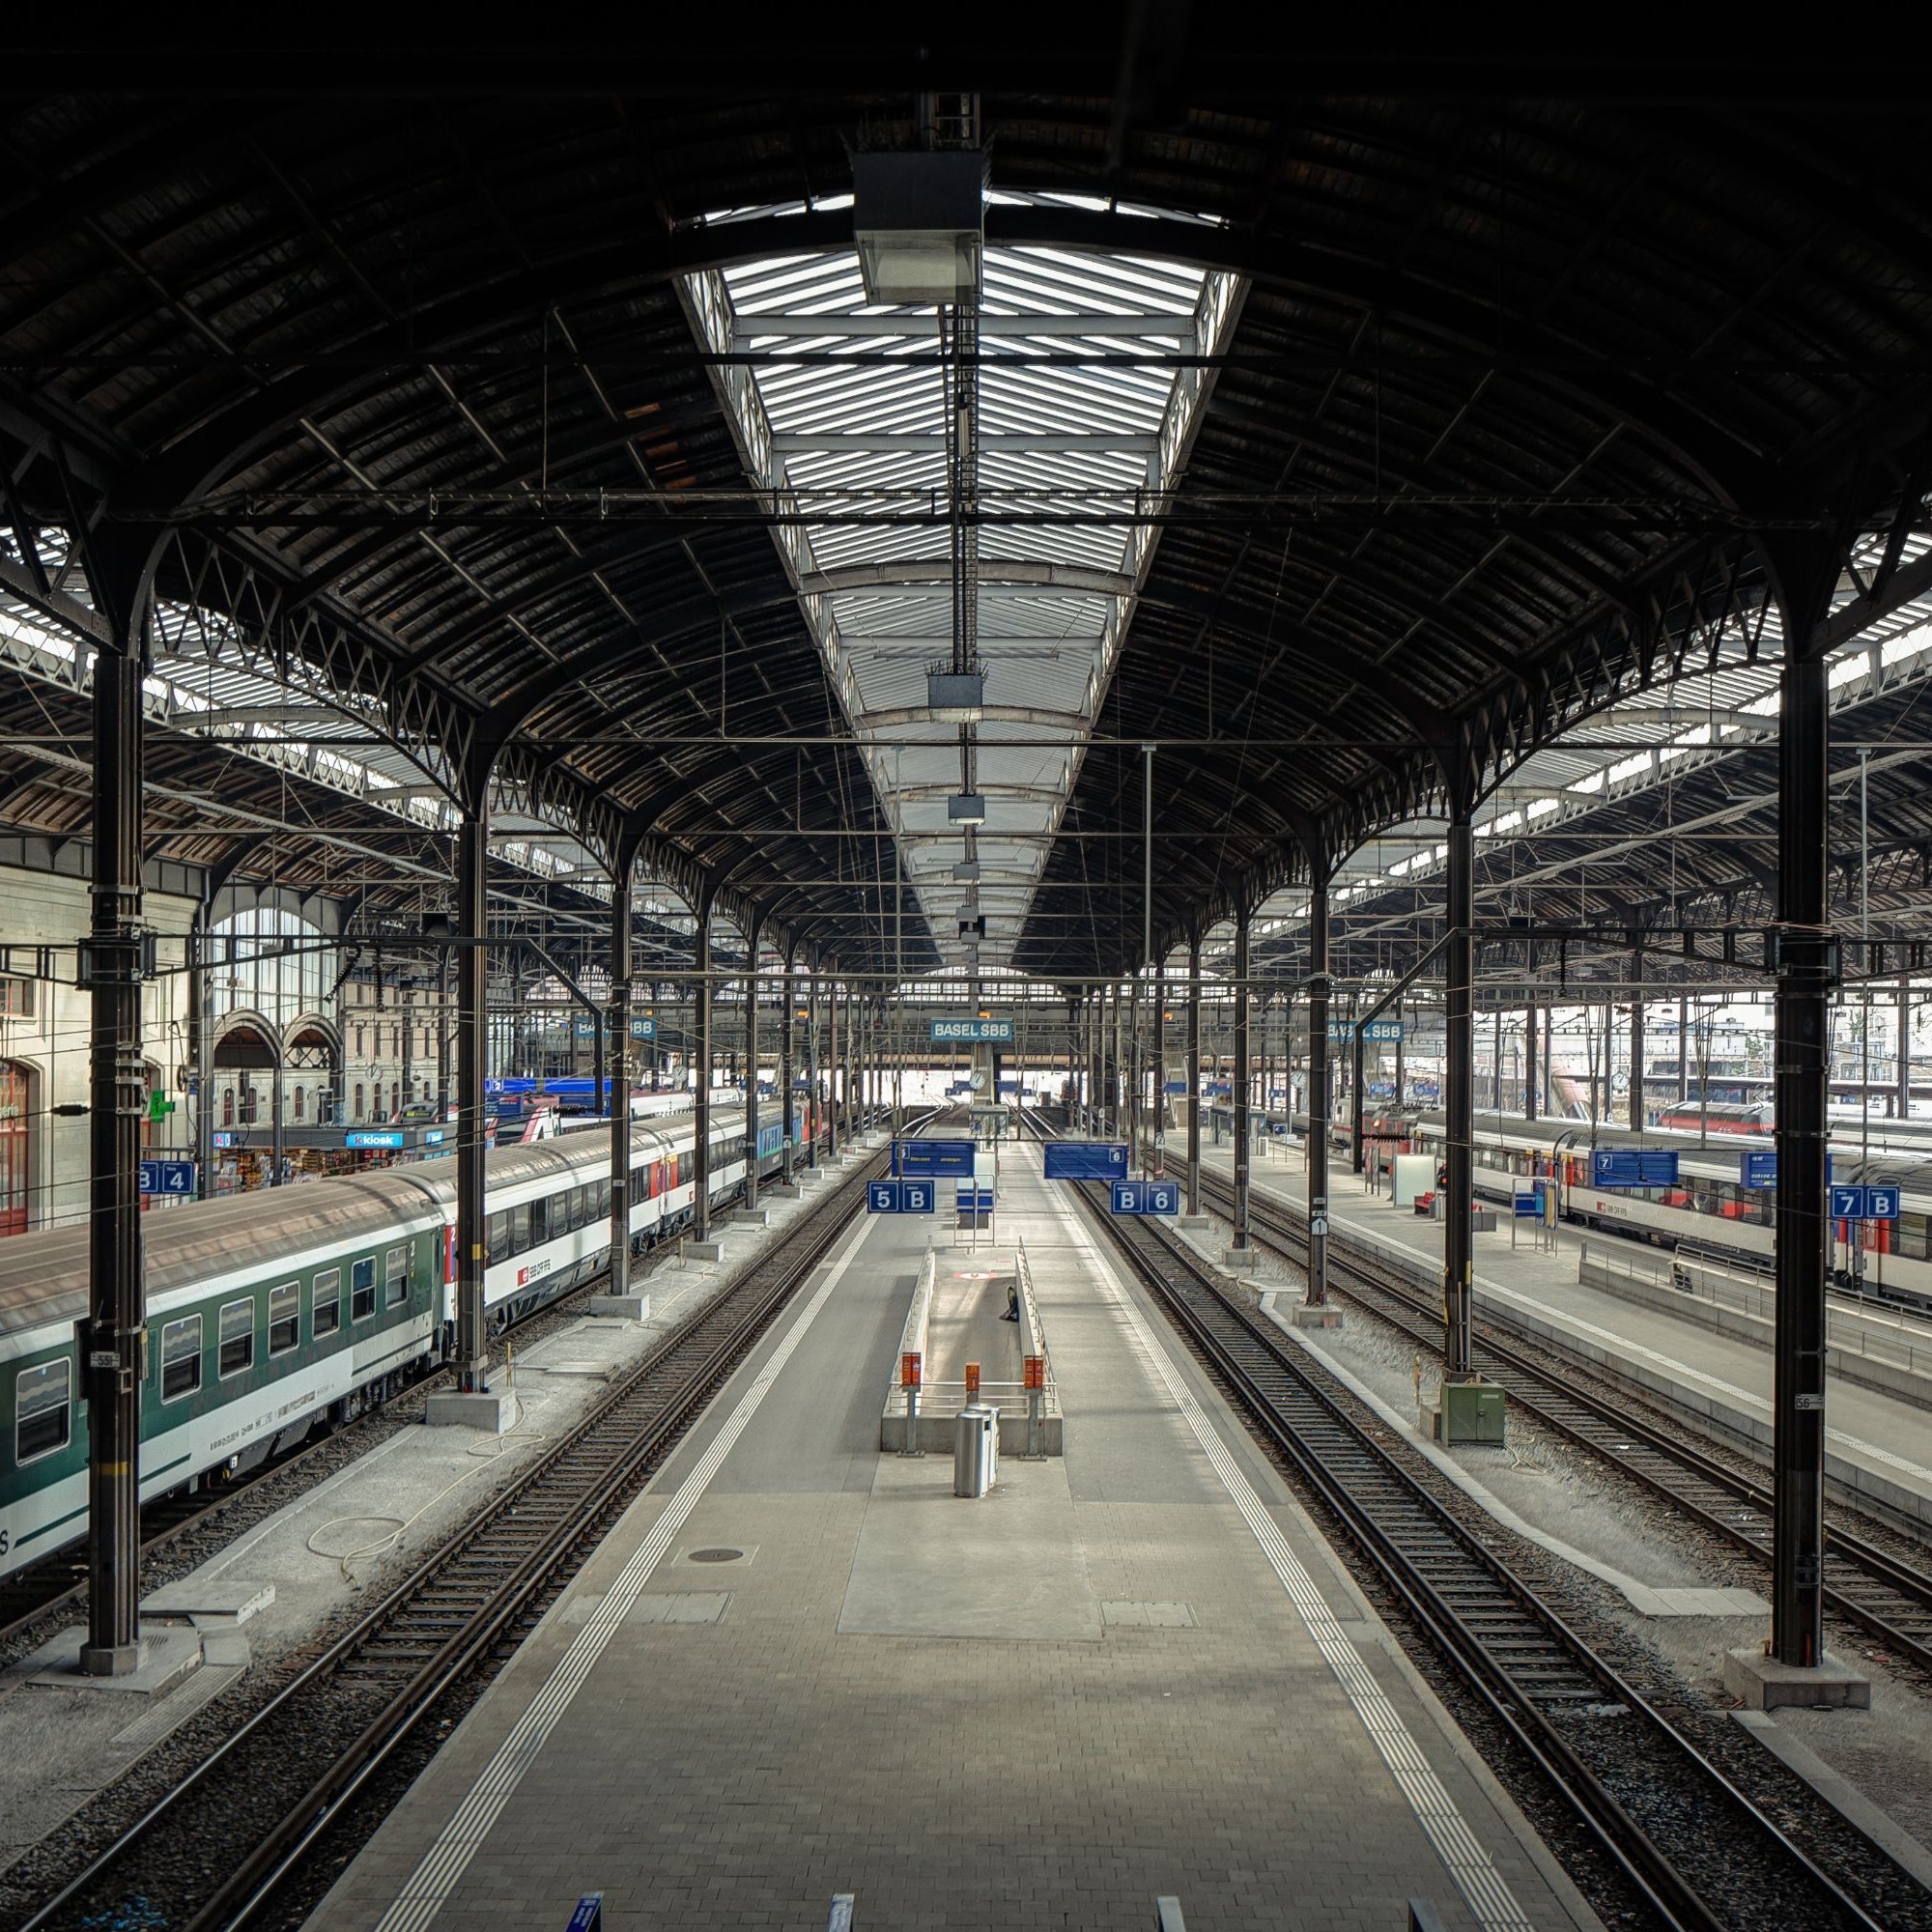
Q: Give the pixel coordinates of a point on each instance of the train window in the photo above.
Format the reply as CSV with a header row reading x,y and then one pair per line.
x,y
237,1336
1909,1237
361,1290
43,1409
600,1202
499,1234
284,1316
395,1277
520,1229
180,1357
540,1222
326,1316
684,1170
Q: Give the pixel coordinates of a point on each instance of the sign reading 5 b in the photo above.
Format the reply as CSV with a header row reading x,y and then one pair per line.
x,y
898,1197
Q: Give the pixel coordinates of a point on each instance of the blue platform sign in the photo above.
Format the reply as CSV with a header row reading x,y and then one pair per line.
x,y
882,1196
589,1914
971,1032
1864,1204
1085,1160
1147,1197
916,1197
1528,1207
583,1026
932,1158
1758,1169
1633,1167
1175,1086
973,1198
373,1136
643,1027
168,1177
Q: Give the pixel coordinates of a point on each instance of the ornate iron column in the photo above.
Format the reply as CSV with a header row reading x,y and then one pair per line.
x,y
1239,1085
1459,1089
752,1065
700,1161
472,981
1805,973
1318,1093
1194,1071
113,966
787,1106
620,1098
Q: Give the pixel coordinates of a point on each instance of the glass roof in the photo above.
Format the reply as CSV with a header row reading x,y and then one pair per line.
x,y
1635,746
1054,600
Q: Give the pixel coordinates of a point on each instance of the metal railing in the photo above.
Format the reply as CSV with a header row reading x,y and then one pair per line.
x,y
1850,1332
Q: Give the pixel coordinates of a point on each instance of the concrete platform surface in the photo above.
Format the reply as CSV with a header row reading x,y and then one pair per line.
x,y
341,1544
1876,1445
1133,1672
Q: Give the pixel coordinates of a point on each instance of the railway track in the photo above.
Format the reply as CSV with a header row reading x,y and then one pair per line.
x,y
1698,1850
1870,1587
59,1581
213,1849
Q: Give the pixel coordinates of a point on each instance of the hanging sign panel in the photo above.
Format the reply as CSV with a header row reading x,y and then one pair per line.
x,y
930,1158
1633,1167
969,1030
1085,1160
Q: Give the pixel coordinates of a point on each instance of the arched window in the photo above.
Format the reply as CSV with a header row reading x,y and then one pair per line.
x,y
358,1099
395,1096
228,1106
251,1107
300,1099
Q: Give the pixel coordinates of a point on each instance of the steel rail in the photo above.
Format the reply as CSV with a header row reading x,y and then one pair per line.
x,y
1404,1531
538,1536
1868,1586
170,1527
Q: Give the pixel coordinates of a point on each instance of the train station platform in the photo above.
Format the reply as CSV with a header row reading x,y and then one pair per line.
x,y
1877,1445
801,1666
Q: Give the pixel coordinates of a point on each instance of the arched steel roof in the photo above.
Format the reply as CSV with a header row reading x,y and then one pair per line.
x,y
1520,391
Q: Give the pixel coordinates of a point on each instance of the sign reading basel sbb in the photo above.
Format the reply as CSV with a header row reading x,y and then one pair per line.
x,y
973,1030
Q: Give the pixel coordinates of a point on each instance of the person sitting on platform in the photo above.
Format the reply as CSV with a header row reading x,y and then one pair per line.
x,y
1012,1313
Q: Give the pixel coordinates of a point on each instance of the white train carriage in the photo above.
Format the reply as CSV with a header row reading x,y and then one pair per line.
x,y
1710,1213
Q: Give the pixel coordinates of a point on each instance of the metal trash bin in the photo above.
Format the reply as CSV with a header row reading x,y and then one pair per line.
x,y
975,1450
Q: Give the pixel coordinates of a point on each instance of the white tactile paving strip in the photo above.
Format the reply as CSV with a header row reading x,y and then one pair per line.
x,y
436,1878
1462,1854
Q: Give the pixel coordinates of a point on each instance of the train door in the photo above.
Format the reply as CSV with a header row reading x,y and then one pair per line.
x,y
15,1117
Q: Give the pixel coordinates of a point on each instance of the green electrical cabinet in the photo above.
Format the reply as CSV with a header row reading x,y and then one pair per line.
x,y
1471,1412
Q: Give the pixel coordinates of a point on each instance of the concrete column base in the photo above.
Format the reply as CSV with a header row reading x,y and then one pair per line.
x,y
487,1409
631,1307
1195,1224
113,1660
1239,1259
783,1190
705,1251
750,1217
1327,1316
1761,1683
